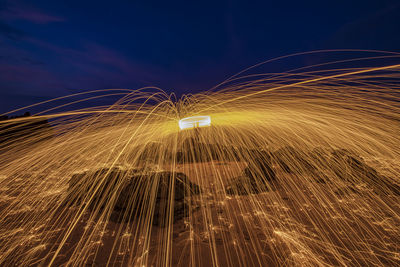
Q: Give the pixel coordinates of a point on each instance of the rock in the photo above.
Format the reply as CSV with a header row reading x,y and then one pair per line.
x,y
290,160
260,168
133,192
192,151
319,158
244,185
295,161
257,178
152,152
353,169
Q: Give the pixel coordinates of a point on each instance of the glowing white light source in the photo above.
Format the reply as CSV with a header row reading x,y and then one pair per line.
x,y
194,122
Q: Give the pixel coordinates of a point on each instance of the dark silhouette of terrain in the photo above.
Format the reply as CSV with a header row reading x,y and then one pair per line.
x,y
24,129
130,193
320,165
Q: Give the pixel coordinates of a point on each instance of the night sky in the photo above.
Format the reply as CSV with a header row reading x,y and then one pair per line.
x,y
53,48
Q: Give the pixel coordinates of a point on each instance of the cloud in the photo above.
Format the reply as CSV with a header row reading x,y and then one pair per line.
x,y
10,32
43,68
370,31
99,61
24,12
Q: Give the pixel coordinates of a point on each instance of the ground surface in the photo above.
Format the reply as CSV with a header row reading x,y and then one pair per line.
x,y
295,223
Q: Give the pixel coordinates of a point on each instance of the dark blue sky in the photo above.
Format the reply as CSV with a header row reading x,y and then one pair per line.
x,y
52,48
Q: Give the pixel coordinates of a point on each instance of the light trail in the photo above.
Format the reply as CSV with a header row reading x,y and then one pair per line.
x,y
298,169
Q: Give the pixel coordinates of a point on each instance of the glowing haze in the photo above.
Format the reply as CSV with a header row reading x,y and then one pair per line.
x,y
299,168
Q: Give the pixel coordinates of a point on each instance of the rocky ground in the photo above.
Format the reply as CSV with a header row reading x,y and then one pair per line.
x,y
232,218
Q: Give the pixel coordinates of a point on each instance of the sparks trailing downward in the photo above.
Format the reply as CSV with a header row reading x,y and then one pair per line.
x,y
298,169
